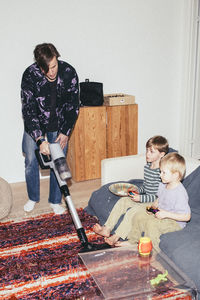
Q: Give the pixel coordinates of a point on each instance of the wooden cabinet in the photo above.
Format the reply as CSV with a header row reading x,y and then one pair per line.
x,y
87,144
122,130
101,132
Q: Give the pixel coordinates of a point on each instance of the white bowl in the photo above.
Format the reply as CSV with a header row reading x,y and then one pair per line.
x,y
121,189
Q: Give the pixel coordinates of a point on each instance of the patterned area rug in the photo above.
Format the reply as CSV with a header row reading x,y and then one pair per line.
x,y
38,259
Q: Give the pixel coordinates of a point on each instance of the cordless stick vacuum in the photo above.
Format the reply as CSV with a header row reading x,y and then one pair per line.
x,y
57,162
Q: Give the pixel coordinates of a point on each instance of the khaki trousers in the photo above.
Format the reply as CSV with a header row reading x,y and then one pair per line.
x,y
151,226
127,207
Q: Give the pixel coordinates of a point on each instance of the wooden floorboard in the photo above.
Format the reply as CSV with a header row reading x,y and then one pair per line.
x,y
80,193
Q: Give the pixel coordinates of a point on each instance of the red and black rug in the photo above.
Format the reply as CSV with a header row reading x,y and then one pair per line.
x,y
38,259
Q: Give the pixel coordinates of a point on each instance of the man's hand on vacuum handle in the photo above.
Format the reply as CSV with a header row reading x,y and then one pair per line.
x,y
62,139
44,147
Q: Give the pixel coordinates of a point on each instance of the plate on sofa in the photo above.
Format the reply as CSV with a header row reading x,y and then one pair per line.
x,y
121,189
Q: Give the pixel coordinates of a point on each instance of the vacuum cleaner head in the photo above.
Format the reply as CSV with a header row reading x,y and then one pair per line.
x,y
94,247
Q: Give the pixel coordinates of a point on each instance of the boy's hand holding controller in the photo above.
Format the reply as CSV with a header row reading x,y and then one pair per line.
x,y
159,214
163,214
152,210
133,193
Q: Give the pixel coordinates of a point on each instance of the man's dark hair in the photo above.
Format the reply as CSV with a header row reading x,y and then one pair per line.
x,y
43,54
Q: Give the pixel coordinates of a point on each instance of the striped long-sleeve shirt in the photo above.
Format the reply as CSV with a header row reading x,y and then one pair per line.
x,y
149,189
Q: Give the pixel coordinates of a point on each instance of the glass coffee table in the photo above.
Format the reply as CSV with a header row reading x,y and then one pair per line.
x,y
121,273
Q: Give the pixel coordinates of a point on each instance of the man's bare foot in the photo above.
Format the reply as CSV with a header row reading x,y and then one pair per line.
x,y
101,230
123,244
112,240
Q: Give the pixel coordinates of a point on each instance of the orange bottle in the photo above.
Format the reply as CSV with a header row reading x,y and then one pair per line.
x,y
145,246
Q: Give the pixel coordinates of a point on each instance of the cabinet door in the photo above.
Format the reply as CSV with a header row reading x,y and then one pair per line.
x,y
122,130
87,145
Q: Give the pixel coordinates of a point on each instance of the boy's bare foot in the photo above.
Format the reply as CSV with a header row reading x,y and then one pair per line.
x,y
112,240
123,244
101,230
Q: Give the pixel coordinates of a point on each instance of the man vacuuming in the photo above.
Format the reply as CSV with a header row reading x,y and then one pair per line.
x,y
50,106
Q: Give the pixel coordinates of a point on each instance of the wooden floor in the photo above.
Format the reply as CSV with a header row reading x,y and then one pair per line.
x,y
80,193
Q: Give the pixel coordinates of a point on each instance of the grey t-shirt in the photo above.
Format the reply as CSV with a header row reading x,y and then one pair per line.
x,y
174,200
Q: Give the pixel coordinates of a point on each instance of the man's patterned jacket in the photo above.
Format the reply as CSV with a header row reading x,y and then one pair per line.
x,y
35,96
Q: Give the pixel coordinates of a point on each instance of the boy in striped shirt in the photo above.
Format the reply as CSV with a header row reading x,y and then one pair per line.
x,y
156,148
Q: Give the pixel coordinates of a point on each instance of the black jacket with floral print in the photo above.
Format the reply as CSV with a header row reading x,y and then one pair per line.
x,y
35,96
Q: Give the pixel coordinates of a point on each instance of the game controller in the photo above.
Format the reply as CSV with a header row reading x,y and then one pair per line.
x,y
131,193
152,210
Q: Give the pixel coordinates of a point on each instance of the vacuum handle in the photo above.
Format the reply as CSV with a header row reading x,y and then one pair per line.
x,y
44,160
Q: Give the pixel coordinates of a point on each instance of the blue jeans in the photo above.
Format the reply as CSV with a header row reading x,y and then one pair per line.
x,y
32,170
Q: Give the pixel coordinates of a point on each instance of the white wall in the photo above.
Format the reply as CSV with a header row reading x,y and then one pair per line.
x,y
132,46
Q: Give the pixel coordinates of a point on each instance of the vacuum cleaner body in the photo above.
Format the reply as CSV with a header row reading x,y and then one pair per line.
x,y
57,162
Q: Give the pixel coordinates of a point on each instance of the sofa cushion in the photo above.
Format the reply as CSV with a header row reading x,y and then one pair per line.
x,y
102,201
183,247
192,185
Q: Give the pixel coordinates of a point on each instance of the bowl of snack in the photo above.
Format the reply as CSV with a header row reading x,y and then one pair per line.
x,y
121,189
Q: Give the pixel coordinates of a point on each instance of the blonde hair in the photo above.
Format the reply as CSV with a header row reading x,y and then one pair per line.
x,y
158,142
175,163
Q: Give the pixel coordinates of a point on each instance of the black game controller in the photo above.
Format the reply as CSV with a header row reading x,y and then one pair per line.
x,y
152,210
